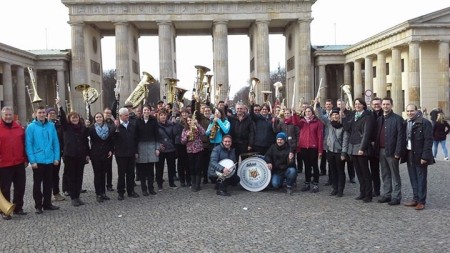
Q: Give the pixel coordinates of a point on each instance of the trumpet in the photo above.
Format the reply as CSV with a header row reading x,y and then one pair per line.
x,y
140,92
251,94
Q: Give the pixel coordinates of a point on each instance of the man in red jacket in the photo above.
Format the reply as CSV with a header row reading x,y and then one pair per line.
x,y
12,160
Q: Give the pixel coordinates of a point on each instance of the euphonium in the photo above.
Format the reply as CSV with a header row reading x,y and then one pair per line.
x,y
178,99
171,83
201,70
141,91
5,206
251,93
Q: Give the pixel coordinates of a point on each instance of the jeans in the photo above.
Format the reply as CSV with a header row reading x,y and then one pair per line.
x,y
290,174
418,177
336,171
392,184
443,145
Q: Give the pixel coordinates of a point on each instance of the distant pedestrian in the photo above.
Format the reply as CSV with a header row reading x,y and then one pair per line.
x,y
440,130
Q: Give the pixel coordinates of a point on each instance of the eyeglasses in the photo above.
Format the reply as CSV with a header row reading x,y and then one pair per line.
x,y
256,110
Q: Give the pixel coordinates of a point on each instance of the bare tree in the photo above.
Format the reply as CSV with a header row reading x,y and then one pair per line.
x,y
108,86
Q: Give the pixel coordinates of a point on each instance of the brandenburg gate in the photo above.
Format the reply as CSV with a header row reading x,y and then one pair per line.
x,y
90,20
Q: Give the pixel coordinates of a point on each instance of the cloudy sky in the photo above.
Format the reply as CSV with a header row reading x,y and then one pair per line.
x,y
31,24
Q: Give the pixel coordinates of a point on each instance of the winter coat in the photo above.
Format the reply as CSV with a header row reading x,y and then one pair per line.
x,y
264,135
99,147
361,134
125,141
242,131
167,136
196,145
12,145
439,131
223,129
292,132
394,135
421,141
278,156
311,133
76,142
336,139
41,142
218,154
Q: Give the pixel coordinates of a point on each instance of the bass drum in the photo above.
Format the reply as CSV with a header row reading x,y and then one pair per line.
x,y
254,174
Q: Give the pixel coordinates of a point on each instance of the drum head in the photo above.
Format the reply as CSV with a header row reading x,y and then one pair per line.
x,y
254,174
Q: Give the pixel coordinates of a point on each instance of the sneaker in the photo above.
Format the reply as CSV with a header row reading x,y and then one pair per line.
x,y
305,188
58,197
160,189
446,158
173,186
66,194
315,189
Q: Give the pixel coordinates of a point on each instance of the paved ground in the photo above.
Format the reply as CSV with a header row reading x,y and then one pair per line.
x,y
182,221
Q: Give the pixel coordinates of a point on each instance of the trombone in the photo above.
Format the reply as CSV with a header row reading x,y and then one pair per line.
x,y
32,93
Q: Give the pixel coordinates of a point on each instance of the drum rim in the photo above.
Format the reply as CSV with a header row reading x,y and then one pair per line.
x,y
241,168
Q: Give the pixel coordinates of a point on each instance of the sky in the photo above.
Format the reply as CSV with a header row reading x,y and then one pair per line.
x,y
32,24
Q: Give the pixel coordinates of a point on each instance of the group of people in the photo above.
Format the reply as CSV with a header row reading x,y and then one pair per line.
x,y
194,140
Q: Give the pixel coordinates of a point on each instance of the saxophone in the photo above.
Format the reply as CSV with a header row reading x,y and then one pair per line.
x,y
214,129
192,128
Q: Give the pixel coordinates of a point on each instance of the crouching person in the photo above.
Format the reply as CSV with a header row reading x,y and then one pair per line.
x,y
219,172
280,160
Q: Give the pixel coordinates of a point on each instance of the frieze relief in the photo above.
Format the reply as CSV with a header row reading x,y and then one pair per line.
x,y
188,8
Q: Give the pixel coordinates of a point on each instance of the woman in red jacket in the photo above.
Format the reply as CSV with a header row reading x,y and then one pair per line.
x,y
310,145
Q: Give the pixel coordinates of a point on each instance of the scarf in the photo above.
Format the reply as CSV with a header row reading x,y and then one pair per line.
x,y
308,119
358,115
410,124
336,124
102,131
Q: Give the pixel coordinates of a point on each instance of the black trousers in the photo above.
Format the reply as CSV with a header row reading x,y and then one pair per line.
x,y
108,171
299,162
195,163
361,164
336,171
13,175
99,167
125,172
309,157
74,166
374,163
350,168
170,158
42,185
205,157
260,150
56,169
182,164
146,174
323,163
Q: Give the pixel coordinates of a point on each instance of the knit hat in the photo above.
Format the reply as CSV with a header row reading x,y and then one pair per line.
x,y
281,135
335,110
50,109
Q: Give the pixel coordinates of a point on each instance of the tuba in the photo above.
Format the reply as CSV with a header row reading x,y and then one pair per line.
x,y
5,206
199,85
251,94
140,92
349,99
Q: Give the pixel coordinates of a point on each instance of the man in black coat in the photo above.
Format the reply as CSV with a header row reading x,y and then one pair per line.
x,y
419,141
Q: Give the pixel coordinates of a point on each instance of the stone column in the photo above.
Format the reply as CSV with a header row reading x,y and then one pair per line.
x,y
220,44
262,56
443,80
396,76
166,60
123,60
347,75
357,80
381,75
79,67
323,78
303,54
21,109
61,86
414,74
7,85
368,73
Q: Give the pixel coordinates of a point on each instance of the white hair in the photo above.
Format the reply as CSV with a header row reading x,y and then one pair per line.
x,y
123,110
7,108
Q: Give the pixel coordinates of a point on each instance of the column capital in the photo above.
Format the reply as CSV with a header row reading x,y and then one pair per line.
x,y
415,41
163,22
76,23
262,21
220,22
124,23
305,20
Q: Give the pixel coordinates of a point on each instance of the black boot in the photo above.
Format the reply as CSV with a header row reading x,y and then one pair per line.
x,y
194,184
223,190
198,181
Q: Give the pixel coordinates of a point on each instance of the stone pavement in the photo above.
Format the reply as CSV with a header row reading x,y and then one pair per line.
x,y
268,221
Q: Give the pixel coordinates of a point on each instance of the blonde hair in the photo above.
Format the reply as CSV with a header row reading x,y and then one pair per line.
x,y
440,118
